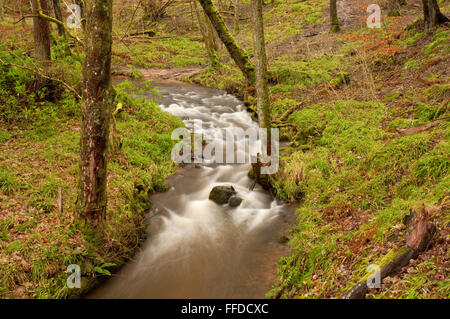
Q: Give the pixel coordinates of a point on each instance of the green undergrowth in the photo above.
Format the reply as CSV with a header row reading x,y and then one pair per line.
x,y
39,143
346,164
171,52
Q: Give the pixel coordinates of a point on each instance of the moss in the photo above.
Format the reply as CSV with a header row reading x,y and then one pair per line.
x,y
239,55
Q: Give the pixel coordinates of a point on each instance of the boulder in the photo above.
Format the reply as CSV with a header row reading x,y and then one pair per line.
x,y
221,194
235,201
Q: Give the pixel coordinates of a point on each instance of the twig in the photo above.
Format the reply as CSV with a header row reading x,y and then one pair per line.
x,y
131,20
51,19
41,73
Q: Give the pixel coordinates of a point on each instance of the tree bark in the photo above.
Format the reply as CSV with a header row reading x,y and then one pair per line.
x,y
96,111
432,15
239,56
262,90
335,26
58,16
41,32
236,17
208,36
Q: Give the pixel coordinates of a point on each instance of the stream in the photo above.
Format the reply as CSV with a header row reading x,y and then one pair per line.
x,y
196,248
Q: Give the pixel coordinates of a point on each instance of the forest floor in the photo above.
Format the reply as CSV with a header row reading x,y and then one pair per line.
x,y
39,152
349,164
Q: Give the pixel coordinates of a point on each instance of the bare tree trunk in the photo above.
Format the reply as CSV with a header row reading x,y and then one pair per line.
x,y
239,56
208,36
432,14
41,32
96,111
58,16
262,90
236,17
335,26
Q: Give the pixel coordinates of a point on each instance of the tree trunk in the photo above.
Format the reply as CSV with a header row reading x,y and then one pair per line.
x,y
432,14
58,16
262,90
96,110
41,33
239,56
208,36
335,26
236,17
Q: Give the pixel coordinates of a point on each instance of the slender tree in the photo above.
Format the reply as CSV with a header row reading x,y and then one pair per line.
x,y
239,56
95,111
432,14
262,90
208,36
41,32
58,16
236,17
335,26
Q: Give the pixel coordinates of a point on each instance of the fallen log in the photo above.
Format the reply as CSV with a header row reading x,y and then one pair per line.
x,y
150,33
420,233
421,128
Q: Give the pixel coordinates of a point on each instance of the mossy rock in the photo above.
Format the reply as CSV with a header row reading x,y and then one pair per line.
x,y
221,194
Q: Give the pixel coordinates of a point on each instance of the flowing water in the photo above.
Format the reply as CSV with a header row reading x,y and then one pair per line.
x,y
196,248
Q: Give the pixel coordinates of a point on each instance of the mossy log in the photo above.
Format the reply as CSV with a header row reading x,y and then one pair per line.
x,y
420,233
150,33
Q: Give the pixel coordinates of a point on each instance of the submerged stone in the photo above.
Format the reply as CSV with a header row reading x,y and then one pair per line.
x,y
235,201
221,194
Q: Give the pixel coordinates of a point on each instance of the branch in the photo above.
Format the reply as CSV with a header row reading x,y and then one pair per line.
x,y
42,74
51,19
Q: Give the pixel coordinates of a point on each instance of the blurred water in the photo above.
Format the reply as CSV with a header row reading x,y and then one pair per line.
x,y
195,248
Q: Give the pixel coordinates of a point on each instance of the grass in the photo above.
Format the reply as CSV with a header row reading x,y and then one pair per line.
x,y
353,175
47,241
171,52
39,152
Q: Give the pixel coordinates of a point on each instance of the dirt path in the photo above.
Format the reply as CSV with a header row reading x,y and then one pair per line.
x,y
175,74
